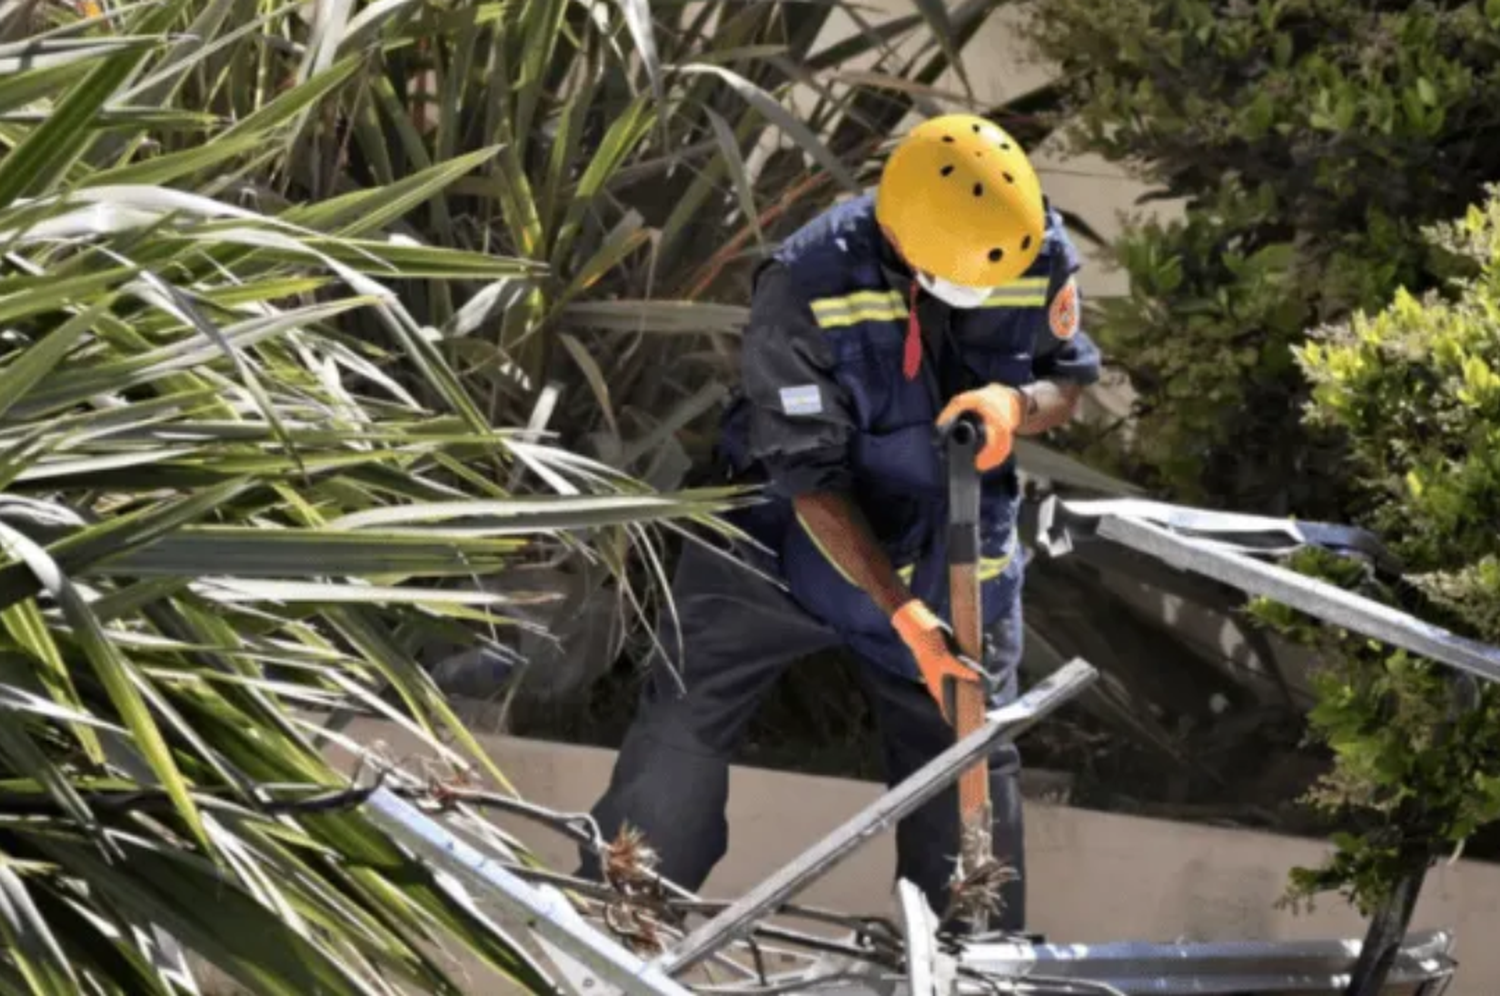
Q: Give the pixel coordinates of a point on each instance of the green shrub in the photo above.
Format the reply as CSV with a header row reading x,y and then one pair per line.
x,y
1414,392
1310,140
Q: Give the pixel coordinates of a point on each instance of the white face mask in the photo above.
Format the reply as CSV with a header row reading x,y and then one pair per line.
x,y
954,295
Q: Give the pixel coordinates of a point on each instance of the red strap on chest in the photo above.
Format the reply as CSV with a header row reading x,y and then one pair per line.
x,y
911,360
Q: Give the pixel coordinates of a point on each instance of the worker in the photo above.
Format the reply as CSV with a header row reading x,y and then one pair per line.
x,y
951,288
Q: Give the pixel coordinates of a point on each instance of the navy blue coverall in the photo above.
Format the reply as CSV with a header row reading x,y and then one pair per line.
x,y
824,404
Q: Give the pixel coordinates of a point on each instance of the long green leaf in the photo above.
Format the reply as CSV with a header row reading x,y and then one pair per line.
x,y
126,533
287,108
42,161
40,55
729,145
522,515
164,889
23,753
848,49
638,19
112,670
624,134
244,552
358,213
596,380
411,682
183,164
627,236
30,941
540,31
22,374
22,89
783,119
181,305
25,624
201,40
67,388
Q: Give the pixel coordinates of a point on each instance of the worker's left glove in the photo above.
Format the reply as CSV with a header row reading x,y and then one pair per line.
x,y
931,643
1001,409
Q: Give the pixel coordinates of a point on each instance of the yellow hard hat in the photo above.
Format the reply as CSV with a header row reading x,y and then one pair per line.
x,y
962,202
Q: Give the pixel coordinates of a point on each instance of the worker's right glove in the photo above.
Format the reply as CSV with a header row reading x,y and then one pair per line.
x,y
931,642
1001,409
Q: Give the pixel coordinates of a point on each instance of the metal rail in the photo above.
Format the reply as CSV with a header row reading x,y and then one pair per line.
x,y
1423,967
1000,724
548,913
1309,595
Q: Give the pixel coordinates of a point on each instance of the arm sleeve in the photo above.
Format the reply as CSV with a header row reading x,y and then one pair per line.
x,y
800,417
1063,349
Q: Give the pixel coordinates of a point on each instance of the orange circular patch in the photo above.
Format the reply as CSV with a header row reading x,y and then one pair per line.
x,y
1063,314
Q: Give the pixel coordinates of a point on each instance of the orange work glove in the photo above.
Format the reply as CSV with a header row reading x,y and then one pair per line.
x,y
1001,409
937,658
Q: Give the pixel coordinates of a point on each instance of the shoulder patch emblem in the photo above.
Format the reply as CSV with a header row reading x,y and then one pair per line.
x,y
1063,314
804,399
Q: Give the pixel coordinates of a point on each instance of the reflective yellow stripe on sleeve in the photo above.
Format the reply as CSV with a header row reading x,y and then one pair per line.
x,y
861,306
823,549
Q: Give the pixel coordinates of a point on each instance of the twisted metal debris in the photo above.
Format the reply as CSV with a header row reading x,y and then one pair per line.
x,y
630,933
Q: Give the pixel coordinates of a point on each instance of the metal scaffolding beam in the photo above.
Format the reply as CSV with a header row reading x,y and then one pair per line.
x,y
1221,547
1001,724
547,912
1215,553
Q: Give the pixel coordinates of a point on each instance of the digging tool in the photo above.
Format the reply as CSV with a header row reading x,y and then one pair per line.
x,y
966,701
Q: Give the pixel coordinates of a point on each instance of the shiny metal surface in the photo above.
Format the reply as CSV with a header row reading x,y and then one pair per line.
x,y
761,901
1240,968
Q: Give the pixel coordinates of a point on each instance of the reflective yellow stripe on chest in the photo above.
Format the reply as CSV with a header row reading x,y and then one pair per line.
x,y
1027,292
888,306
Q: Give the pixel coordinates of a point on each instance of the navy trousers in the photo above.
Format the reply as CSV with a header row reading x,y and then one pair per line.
x,y
738,633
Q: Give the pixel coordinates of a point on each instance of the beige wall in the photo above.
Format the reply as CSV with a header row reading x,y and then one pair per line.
x,y
1094,877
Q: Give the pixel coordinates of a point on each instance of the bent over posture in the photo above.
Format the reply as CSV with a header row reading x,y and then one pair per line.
x,y
952,289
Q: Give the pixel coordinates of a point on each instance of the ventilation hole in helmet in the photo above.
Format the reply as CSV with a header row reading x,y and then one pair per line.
x,y
1005,146
1009,178
948,139
978,190
996,255
976,129
1026,243
947,170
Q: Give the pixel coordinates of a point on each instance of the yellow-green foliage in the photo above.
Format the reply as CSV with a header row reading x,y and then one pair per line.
x,y
1415,389
1415,392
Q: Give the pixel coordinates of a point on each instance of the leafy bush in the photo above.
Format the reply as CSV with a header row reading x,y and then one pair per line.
x,y
222,509
1414,391
1309,140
